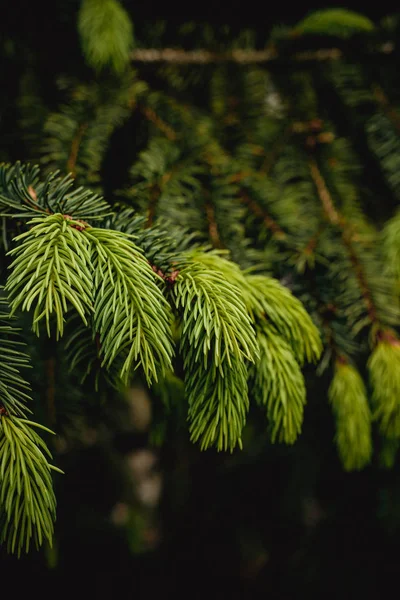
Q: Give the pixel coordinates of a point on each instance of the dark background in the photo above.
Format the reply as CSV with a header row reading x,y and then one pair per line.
x,y
46,20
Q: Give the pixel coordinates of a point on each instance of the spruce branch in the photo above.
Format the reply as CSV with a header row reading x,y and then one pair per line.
x,y
214,316
261,213
51,271
24,195
339,22
336,219
276,304
267,300
348,397
286,338
218,404
279,385
217,342
106,33
391,244
27,501
130,313
384,371
14,389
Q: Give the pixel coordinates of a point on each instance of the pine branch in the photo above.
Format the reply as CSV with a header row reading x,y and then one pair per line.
x,y
259,212
218,405
106,33
348,397
217,342
384,371
272,301
14,390
71,162
51,271
152,116
130,314
24,195
335,218
27,502
279,385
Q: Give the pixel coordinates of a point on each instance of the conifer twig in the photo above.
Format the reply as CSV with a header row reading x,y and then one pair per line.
x,y
335,218
212,224
155,193
240,56
270,223
76,142
202,57
152,116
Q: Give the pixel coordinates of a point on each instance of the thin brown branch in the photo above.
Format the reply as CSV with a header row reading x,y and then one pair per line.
x,y
240,56
260,212
271,158
152,116
360,274
313,241
73,155
151,213
212,224
335,218
202,57
170,279
34,202
323,193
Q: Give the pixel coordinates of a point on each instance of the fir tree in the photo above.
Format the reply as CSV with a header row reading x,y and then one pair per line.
x,y
239,240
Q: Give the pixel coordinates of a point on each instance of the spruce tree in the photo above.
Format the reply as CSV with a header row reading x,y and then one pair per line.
x,y
218,218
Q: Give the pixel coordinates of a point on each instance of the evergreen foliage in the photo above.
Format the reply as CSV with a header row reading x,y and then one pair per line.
x,y
240,240
26,495
106,33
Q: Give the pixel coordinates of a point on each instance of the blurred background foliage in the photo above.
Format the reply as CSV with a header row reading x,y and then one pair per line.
x,y
141,510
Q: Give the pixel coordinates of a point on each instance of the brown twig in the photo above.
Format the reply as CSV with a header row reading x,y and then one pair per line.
x,y
324,195
313,241
272,157
34,202
212,224
151,213
335,218
169,279
240,56
202,57
268,221
152,116
76,142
